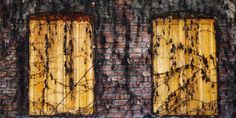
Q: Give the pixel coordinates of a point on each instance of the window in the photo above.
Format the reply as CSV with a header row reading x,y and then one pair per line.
x,y
60,60
184,67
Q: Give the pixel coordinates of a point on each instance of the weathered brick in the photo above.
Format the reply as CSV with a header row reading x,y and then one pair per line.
x,y
118,25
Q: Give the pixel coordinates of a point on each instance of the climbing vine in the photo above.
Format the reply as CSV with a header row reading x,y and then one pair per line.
x,y
117,54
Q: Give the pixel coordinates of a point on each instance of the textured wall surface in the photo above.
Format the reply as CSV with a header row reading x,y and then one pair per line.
x,y
122,38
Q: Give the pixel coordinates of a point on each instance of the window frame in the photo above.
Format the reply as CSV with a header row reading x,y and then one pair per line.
x,y
71,15
182,16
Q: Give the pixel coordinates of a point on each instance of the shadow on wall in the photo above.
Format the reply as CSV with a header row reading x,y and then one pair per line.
x,y
122,39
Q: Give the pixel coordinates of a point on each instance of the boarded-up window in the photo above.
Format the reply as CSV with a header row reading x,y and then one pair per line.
x,y
184,65
60,59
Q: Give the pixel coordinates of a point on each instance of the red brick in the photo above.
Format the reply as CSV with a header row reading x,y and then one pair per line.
x,y
114,70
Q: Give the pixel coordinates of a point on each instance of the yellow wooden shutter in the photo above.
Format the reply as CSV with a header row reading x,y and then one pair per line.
x,y
184,65
60,55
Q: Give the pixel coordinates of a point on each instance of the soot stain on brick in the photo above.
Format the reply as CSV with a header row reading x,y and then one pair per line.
x,y
225,48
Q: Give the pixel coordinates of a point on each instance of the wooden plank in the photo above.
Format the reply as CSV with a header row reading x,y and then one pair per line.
x,y
37,62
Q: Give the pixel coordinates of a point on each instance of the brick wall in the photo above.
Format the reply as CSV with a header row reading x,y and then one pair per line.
x,y
8,68
123,71
226,67
122,39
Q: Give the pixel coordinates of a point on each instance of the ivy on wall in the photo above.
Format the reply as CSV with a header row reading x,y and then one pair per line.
x,y
114,12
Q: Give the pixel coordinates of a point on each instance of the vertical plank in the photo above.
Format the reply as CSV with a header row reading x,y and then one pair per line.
x,y
182,63
70,75
208,50
32,57
205,49
162,65
187,73
89,68
213,67
37,61
76,62
61,71
82,71
154,62
175,62
193,94
82,62
32,26
200,65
